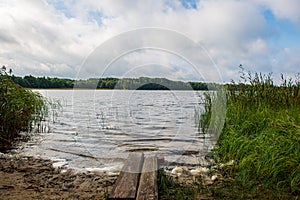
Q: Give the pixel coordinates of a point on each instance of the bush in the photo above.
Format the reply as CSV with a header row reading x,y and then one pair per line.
x,y
20,109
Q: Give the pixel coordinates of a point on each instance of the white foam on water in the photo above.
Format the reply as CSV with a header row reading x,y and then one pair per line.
x,y
109,169
59,163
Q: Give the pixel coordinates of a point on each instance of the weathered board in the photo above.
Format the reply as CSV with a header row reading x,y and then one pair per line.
x,y
127,183
148,181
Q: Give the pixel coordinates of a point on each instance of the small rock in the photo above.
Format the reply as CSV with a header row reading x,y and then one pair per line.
x,y
179,171
199,171
230,163
214,177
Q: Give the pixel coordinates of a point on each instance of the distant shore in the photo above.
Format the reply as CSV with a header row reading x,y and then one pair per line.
x,y
142,83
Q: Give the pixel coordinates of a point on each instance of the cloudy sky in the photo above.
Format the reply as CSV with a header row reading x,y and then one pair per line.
x,y
178,39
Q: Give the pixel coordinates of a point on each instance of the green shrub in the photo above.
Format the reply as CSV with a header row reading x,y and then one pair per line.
x,y
20,109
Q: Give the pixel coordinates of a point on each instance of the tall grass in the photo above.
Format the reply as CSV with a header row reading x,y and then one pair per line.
x,y
210,114
203,112
262,133
20,109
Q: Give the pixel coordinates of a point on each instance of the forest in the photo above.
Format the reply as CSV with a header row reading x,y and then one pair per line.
x,y
142,83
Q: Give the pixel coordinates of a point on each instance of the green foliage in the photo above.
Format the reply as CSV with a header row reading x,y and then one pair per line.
x,y
203,112
210,114
262,133
142,83
199,85
168,188
145,83
20,108
42,82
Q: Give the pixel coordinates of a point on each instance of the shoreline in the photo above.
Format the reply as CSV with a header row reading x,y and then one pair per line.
x,y
26,177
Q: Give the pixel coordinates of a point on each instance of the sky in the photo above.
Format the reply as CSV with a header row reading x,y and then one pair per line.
x,y
189,40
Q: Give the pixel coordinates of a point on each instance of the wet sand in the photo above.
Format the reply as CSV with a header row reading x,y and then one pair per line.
x,y
23,177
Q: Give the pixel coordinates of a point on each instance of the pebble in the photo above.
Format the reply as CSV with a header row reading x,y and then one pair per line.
x,y
214,177
179,171
199,171
230,163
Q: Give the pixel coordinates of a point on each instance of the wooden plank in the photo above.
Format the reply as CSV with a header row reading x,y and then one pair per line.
x,y
148,181
128,180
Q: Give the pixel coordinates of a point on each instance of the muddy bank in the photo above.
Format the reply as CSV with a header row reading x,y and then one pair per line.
x,y
24,177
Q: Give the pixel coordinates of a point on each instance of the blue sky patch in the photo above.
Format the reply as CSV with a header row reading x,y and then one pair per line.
x,y
61,6
95,15
287,33
189,4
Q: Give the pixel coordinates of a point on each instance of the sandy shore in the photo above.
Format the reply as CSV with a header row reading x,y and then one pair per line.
x,y
24,177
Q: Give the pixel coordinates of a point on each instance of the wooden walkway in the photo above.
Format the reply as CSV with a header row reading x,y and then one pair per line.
x,y
137,179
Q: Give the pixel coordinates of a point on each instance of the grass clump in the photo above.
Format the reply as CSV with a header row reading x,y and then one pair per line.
x,y
20,109
262,134
210,114
168,188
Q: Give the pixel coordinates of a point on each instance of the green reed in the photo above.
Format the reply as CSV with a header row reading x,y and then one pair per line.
x,y
21,109
203,112
210,113
262,133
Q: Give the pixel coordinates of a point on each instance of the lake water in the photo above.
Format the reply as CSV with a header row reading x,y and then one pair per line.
x,y
97,129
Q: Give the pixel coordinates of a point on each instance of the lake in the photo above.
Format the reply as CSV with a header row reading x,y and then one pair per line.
x,y
97,129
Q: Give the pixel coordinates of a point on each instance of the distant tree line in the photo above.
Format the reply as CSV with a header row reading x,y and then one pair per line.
x,y
42,82
142,83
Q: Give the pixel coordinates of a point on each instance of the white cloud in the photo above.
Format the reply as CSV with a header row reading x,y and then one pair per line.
x,y
39,33
287,9
53,38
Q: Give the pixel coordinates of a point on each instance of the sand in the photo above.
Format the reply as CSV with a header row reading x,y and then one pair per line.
x,y
23,177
